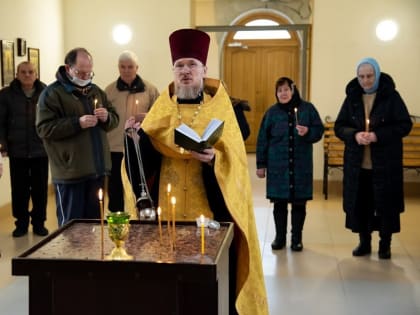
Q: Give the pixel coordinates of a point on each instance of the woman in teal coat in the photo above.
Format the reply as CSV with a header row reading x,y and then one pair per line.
x,y
284,155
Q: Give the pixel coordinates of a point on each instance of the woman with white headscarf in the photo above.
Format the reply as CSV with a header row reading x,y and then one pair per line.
x,y
372,122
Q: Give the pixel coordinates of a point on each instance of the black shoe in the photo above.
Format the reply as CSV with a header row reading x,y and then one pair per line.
x,y
296,247
384,254
18,232
278,244
40,230
362,250
384,251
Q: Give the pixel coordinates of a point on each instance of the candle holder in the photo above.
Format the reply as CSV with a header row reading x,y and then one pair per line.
x,y
118,228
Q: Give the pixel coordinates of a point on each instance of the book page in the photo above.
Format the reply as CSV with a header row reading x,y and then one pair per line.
x,y
184,129
211,127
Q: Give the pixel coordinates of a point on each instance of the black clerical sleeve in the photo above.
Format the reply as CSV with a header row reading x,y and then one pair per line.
x,y
151,159
242,122
214,195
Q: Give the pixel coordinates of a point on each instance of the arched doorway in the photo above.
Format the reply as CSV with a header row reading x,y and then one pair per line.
x,y
251,67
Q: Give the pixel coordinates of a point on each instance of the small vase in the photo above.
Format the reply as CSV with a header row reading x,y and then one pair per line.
x,y
118,228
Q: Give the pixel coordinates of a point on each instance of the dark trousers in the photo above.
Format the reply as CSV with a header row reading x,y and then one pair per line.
x,y
29,180
115,186
298,213
78,200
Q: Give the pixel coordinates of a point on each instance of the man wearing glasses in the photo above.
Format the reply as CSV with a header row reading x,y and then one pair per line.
x,y
73,117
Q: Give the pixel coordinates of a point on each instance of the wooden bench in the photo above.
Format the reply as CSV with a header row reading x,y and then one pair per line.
x,y
334,151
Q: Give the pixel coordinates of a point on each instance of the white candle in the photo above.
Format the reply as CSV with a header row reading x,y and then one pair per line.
x,y
159,212
101,209
202,235
173,201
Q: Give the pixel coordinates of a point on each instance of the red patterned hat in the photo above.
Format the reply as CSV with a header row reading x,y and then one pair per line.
x,y
189,43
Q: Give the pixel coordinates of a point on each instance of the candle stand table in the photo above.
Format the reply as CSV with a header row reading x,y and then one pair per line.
x,y
68,276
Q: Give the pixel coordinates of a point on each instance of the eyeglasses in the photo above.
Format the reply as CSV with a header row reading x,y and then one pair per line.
x,y
81,74
190,65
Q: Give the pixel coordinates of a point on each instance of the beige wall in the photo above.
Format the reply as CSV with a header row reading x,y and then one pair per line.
x,y
41,26
343,32
89,24
55,26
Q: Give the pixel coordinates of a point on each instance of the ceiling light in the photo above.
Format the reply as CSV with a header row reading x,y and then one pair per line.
x,y
121,34
386,30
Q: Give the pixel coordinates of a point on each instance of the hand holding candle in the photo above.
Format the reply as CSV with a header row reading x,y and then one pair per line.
x,y
202,235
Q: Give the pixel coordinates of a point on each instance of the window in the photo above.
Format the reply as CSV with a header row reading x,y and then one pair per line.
x,y
266,34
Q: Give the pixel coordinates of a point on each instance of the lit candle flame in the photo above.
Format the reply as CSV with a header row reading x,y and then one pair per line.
x,y
169,188
173,200
100,194
95,102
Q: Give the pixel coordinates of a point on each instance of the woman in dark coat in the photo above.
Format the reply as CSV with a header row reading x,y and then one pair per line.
x,y
284,152
372,122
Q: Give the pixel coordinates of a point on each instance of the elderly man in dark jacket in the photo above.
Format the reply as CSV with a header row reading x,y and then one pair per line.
x,y
27,156
372,122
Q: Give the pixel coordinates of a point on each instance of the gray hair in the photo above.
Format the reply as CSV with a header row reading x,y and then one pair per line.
x,y
128,55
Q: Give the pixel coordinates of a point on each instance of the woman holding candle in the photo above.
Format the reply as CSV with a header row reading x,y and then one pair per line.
x,y
284,155
372,122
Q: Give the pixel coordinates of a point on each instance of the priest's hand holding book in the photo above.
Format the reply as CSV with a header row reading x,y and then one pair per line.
x,y
201,148
205,156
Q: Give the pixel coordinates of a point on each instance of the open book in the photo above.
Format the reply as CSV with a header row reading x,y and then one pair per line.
x,y
188,139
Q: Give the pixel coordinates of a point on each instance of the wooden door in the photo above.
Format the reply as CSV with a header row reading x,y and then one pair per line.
x,y
250,73
252,67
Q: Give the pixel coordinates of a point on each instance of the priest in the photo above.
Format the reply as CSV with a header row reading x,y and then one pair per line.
x,y
214,182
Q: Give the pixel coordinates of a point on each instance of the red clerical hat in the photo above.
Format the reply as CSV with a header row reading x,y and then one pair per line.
x,y
189,43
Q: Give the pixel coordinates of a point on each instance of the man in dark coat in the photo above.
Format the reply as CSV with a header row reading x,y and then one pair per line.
x,y
73,117
27,156
372,122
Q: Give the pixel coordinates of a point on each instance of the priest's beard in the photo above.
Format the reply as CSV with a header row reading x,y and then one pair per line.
x,y
188,92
